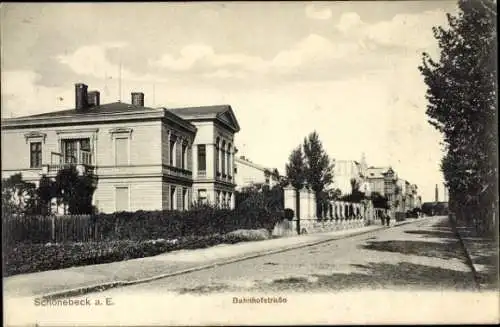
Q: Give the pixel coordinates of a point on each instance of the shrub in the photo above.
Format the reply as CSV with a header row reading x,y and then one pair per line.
x,y
30,257
137,226
288,214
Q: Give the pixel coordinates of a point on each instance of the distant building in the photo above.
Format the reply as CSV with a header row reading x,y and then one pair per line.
x,y
348,170
248,173
382,180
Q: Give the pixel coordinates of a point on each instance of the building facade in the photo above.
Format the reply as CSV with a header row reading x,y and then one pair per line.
x,y
348,170
250,174
143,158
382,180
213,152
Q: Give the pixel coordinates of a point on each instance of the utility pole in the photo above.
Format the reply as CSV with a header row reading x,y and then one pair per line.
x,y
120,82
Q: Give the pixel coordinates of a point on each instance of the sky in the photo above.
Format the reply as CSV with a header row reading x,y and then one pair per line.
x,y
348,70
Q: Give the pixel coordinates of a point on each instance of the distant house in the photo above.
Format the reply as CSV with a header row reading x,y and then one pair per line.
x,y
382,180
249,173
143,158
347,170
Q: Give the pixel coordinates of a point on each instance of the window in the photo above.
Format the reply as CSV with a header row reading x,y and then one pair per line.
x,y
202,196
223,168
172,153
172,198
184,199
217,155
122,198
202,159
36,154
121,151
184,156
76,151
228,156
70,151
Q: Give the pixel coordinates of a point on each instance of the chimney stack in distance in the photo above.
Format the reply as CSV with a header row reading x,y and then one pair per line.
x,y
93,98
81,100
138,99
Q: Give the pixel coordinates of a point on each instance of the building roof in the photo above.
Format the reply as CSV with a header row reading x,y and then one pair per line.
x,y
102,113
108,108
222,113
377,172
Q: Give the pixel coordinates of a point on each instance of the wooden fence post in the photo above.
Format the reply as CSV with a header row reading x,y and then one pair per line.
x,y
53,227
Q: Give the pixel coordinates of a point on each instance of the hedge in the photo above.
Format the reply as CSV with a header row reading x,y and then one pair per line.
x,y
30,257
139,225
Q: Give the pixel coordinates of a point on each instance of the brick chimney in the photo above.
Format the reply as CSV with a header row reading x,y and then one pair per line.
x,y
138,99
81,100
93,98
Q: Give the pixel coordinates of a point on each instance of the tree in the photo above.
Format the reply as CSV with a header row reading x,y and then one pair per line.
x,y
262,197
18,196
46,191
379,201
462,106
335,194
296,168
75,190
296,176
319,169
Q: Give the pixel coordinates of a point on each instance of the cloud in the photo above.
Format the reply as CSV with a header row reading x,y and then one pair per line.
x,y
348,21
411,31
312,50
21,95
91,60
317,13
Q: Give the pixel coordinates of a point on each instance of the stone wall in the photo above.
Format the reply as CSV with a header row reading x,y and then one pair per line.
x,y
335,215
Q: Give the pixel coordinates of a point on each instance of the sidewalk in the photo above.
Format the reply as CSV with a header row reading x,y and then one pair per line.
x,y
84,279
483,254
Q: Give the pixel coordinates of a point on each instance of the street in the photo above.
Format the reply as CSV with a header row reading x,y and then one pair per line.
x,y
424,255
415,265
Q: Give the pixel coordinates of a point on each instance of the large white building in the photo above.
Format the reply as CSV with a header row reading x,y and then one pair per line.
x,y
143,158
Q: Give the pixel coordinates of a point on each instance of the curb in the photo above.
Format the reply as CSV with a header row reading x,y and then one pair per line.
x,y
468,258
108,285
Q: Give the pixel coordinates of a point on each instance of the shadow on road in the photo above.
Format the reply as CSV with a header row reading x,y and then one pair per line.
x,y
378,276
441,250
445,244
372,276
442,233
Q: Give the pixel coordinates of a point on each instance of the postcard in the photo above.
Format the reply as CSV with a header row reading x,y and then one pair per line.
x,y
249,163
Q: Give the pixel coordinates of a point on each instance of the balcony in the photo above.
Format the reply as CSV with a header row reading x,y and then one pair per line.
x,y
81,160
178,172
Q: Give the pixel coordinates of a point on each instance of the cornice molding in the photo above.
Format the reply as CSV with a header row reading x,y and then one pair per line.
x,y
35,135
120,131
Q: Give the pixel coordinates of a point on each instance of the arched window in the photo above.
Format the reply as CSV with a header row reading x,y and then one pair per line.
x,y
217,155
223,158
228,156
